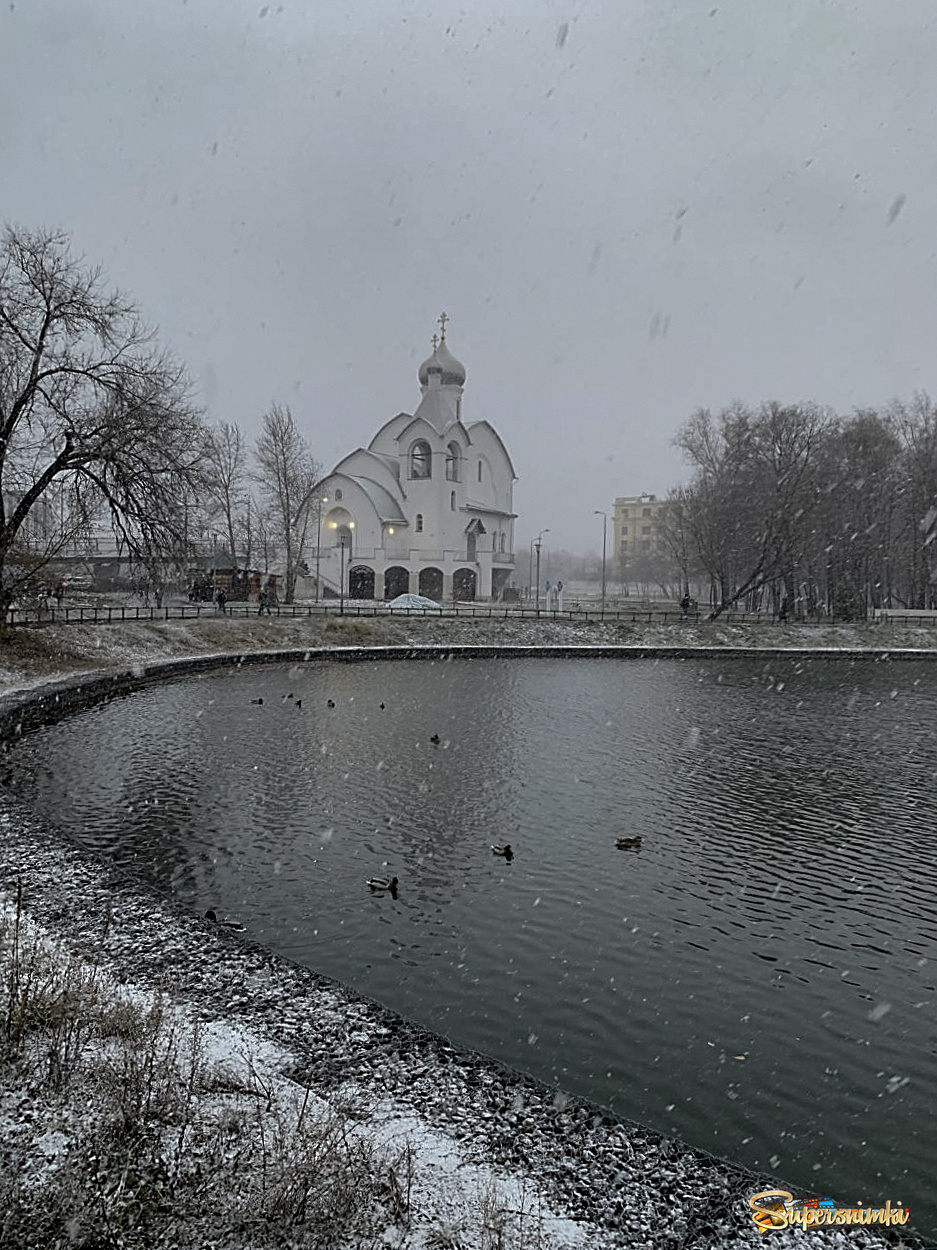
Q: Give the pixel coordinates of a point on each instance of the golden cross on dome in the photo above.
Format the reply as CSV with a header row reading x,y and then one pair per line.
x,y
435,341
443,318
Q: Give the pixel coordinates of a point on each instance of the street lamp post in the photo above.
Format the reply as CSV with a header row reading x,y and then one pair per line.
x,y
341,592
604,516
537,545
530,570
322,499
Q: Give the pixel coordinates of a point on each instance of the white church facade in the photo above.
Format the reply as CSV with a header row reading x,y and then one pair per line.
x,y
426,508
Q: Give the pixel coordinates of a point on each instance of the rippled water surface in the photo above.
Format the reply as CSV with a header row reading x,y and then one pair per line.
x,y
758,978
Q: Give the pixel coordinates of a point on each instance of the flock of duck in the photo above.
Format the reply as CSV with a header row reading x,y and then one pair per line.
x,y
389,885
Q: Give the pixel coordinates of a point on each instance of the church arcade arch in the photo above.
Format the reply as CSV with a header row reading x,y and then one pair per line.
x,y
396,581
360,582
464,585
431,583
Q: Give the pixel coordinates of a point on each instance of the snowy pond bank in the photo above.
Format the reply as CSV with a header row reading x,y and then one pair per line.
x,y
460,1151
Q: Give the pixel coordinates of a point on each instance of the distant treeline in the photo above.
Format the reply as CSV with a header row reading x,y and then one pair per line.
x,y
794,509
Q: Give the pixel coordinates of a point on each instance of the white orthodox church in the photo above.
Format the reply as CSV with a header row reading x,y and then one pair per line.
x,y
426,507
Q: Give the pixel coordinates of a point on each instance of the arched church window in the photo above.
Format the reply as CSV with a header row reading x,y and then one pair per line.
x,y
453,452
479,470
502,540
421,460
338,493
419,523
452,500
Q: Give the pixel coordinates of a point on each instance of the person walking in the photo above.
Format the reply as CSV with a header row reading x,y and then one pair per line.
x,y
221,600
263,601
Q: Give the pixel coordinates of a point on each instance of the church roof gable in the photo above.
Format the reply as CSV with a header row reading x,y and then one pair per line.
x,y
385,505
381,468
390,430
417,425
490,429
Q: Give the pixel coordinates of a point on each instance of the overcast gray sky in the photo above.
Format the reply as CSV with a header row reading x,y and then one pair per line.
x,y
629,208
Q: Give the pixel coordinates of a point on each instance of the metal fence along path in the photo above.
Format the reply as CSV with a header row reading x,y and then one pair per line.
x,y
109,614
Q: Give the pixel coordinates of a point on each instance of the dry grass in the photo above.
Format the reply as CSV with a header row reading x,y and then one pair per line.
x,y
29,652
119,1131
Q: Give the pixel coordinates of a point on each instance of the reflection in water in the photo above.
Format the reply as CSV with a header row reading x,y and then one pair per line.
x,y
756,977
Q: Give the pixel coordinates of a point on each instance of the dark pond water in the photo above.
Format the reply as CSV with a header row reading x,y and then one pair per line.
x,y
758,979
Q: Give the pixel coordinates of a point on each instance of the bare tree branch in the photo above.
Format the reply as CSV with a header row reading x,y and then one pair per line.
x,y
88,406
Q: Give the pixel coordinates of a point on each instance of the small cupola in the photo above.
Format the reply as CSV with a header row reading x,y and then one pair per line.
x,y
442,368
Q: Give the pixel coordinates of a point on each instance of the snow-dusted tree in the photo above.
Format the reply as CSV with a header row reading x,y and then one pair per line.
x,y
287,475
748,512
226,487
93,417
915,425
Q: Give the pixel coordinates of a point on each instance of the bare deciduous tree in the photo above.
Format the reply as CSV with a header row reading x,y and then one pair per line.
x,y
287,474
226,471
93,417
747,513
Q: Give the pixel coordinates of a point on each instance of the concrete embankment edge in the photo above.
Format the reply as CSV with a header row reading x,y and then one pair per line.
x,y
21,711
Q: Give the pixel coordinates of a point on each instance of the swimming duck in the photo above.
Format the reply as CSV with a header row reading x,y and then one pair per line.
x,y
383,883
506,851
298,703
628,844
331,703
234,925
435,740
382,707
256,700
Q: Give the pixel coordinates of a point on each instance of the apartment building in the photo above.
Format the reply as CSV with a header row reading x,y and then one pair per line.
x,y
636,529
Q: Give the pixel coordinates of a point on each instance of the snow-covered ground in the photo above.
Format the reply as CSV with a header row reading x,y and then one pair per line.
x,y
29,656
451,1149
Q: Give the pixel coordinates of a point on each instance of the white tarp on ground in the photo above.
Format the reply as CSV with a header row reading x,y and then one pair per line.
x,y
414,601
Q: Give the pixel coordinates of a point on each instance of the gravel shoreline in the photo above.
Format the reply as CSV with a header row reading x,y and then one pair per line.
x,y
620,1184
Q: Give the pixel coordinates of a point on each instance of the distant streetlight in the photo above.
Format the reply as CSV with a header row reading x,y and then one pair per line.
x,y
537,545
604,516
322,499
341,591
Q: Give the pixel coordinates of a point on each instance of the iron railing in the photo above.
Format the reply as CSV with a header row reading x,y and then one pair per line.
x,y
107,615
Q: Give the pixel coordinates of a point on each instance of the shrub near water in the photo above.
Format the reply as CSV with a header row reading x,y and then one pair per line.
x,y
117,1131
